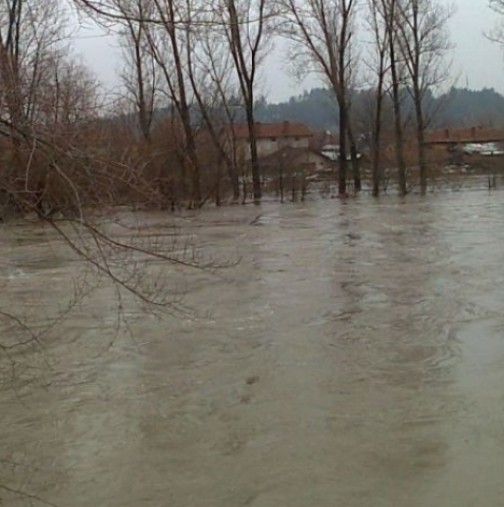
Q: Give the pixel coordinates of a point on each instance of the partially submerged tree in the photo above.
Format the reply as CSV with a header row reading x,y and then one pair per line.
x,y
379,66
391,9
44,95
423,42
247,27
168,43
323,34
211,74
180,47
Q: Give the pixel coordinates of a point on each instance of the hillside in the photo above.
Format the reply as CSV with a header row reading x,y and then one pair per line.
x,y
318,109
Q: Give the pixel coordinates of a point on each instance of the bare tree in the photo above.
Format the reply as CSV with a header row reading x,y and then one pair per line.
x,y
247,29
496,33
30,35
423,42
210,71
354,153
391,10
379,66
140,75
111,12
168,43
190,66
42,94
154,35
324,30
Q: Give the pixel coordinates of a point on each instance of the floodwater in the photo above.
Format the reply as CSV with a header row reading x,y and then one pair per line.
x,y
346,355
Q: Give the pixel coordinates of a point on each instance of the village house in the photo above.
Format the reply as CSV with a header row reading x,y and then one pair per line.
x,y
486,141
327,143
292,160
272,137
465,135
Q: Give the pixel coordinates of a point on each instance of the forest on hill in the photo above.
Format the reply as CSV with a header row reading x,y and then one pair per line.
x,y
458,107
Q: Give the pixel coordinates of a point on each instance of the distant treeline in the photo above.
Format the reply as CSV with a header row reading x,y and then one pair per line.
x,y
458,107
319,110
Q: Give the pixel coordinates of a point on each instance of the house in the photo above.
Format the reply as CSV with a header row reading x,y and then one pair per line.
x,y
328,144
293,160
272,137
332,151
466,135
470,140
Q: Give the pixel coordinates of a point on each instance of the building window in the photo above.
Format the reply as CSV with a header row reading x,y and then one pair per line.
x,y
273,139
297,139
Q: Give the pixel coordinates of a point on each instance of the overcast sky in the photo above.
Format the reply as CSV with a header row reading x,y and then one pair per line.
x,y
477,62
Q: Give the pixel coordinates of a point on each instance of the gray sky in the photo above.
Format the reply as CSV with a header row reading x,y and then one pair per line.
x,y
476,61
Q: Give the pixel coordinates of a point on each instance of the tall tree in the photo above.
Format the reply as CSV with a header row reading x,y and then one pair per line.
x,y
322,31
379,66
42,93
423,42
247,25
168,42
211,73
186,40
391,9
32,34
140,72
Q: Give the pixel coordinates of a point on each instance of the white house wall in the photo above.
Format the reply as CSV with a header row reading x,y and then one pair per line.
x,y
268,146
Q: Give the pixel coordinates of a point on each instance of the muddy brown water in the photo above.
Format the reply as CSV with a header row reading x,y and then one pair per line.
x,y
354,356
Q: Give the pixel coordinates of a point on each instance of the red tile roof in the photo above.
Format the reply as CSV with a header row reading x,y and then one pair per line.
x,y
268,130
464,135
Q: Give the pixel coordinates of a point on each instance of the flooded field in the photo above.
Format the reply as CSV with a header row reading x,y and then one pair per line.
x,y
350,354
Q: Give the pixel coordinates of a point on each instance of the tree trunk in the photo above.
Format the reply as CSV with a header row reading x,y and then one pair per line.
x,y
195,176
399,141
341,95
254,157
399,146
144,110
376,146
422,159
184,110
377,128
233,169
246,71
354,157
342,173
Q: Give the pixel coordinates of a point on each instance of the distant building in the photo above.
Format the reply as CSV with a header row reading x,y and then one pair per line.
x,y
272,137
465,135
332,151
291,160
469,140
